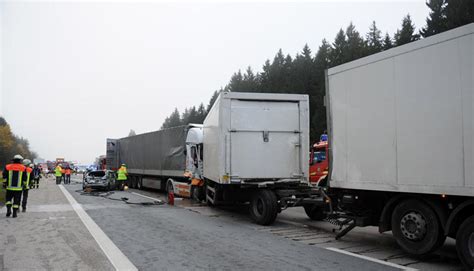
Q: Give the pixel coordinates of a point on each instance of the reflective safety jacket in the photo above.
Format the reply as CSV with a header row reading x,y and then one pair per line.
x,y
57,171
15,174
68,171
28,176
122,174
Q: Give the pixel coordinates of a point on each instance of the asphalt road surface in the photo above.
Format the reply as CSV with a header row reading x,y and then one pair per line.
x,y
66,229
293,224
195,237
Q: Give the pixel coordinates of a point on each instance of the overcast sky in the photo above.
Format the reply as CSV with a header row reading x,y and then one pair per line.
x,y
73,74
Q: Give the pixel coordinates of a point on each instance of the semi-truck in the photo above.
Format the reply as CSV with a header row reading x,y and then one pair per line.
x,y
252,148
401,143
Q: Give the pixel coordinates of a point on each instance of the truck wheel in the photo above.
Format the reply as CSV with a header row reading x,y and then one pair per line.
x,y
465,243
197,193
139,183
416,228
264,207
133,182
314,212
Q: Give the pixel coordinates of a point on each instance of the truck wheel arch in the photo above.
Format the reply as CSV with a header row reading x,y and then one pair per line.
x,y
386,215
460,213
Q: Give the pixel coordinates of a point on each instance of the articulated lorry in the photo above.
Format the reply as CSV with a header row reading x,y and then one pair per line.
x,y
401,143
251,147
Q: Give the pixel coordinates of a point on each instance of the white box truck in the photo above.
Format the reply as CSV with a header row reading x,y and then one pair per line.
x,y
402,145
252,148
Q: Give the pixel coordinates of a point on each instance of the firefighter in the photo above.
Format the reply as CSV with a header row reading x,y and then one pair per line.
x,y
58,174
36,176
67,180
15,174
63,175
122,176
26,184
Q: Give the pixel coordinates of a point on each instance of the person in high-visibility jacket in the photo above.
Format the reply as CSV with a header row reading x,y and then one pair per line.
x,y
58,174
26,184
15,174
122,176
67,180
63,174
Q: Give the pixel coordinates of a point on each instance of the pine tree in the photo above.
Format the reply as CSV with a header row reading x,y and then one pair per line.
x,y
201,112
317,109
236,82
213,99
459,13
407,33
374,39
173,120
355,44
338,49
387,42
250,81
436,21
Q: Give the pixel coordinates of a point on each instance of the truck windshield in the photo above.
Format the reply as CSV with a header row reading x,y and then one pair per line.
x,y
319,156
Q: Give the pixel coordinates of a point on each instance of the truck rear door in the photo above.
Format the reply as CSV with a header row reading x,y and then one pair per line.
x,y
265,139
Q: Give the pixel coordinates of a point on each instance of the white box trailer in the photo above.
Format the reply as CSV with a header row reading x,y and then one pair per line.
x,y
402,120
401,142
254,137
256,149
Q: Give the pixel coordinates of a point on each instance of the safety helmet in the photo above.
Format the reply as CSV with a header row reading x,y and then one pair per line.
x,y
18,157
32,165
124,165
26,162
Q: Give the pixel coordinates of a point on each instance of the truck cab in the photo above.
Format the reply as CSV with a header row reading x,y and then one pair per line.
x,y
194,152
318,164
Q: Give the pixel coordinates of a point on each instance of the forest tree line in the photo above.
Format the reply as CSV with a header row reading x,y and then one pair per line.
x,y
11,144
304,72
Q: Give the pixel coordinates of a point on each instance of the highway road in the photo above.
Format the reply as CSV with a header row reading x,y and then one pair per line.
x,y
65,228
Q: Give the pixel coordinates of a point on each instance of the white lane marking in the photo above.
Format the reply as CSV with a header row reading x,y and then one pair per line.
x,y
113,253
401,267
147,197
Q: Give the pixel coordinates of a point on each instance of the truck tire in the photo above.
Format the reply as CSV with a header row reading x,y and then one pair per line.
x,y
416,227
139,183
314,212
264,207
133,182
465,243
198,193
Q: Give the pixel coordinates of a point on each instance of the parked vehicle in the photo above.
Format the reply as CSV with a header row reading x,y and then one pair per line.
x,y
251,148
100,179
401,143
319,164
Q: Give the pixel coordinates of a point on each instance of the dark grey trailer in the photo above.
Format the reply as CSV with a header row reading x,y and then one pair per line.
x,y
151,158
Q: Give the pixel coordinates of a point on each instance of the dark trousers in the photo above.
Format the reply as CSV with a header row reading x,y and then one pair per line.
x,y
13,199
24,200
68,179
58,179
36,182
